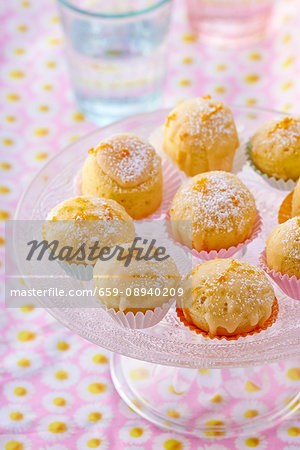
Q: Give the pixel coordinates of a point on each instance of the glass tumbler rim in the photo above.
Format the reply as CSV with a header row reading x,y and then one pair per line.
x,y
140,12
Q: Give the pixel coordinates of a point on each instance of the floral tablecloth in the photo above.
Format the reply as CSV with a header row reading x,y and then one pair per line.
x,y
53,382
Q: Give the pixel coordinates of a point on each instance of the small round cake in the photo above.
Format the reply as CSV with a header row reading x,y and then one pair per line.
x,y
212,211
140,285
226,297
86,220
200,135
283,248
296,200
275,148
125,169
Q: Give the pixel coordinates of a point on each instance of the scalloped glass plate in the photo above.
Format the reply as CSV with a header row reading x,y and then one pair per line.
x,y
170,342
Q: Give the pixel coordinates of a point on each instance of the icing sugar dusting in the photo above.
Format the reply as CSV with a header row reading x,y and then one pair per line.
x,y
126,159
209,118
86,220
218,203
291,241
285,132
85,207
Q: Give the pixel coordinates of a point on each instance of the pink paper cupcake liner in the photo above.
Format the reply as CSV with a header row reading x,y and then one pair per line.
x,y
173,178
289,285
223,253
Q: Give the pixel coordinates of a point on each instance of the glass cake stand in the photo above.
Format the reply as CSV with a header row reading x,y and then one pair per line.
x,y
167,374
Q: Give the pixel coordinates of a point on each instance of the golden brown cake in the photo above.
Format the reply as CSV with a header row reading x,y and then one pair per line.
x,y
226,297
296,200
283,248
200,135
126,169
153,276
275,148
211,211
86,220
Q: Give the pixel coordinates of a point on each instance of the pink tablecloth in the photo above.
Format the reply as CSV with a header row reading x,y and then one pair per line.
x,y
45,369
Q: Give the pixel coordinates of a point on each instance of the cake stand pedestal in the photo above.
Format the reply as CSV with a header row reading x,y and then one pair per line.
x,y
208,403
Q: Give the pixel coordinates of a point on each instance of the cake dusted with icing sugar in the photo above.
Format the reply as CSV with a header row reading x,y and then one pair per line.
x,y
283,248
275,148
212,211
227,297
200,135
85,220
126,169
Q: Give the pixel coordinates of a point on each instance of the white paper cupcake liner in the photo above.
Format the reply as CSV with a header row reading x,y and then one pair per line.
x,y
156,140
173,178
223,253
289,285
78,271
140,319
288,185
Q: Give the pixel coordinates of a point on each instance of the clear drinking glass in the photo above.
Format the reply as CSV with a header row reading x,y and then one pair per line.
x,y
117,54
233,22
